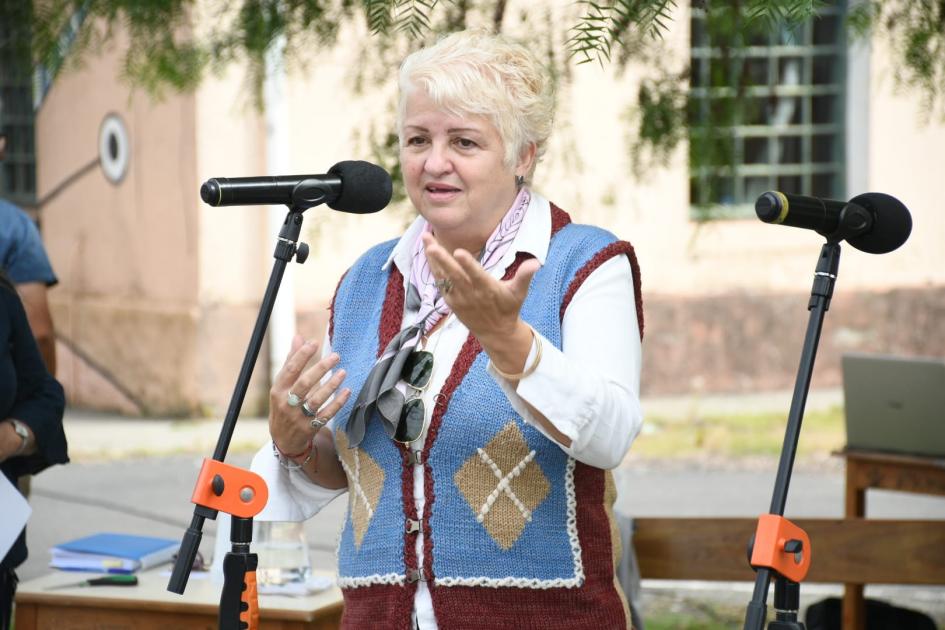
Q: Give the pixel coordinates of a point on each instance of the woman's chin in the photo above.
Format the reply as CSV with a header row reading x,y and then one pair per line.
x,y
443,216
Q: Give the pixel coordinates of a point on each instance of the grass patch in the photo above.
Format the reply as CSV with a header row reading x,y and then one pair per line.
x,y
678,621
674,611
739,435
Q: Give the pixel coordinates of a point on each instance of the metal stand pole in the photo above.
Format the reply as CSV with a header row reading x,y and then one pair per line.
x,y
238,563
824,277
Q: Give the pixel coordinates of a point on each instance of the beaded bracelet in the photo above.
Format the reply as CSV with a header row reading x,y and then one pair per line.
x,y
282,453
529,369
288,461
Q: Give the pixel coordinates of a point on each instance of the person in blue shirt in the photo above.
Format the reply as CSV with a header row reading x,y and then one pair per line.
x,y
24,258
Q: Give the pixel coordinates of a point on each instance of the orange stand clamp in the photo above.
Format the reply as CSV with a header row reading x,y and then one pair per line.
x,y
782,546
230,489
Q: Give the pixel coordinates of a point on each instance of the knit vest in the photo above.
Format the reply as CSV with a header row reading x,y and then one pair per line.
x,y
517,534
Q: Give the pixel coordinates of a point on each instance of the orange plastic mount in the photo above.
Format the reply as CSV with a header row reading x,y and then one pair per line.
x,y
244,492
772,535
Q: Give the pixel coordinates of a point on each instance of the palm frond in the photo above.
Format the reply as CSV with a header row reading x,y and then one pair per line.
x,y
605,25
379,14
590,38
652,18
413,17
782,12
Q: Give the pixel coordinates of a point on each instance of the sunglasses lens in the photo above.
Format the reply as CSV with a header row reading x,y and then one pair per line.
x,y
418,368
411,421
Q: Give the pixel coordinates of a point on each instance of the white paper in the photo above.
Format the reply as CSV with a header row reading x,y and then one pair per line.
x,y
16,511
313,584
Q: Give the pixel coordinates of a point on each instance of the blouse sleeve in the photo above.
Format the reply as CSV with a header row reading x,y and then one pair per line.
x,y
590,389
39,401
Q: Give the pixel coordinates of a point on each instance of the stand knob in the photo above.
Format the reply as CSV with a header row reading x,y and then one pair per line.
x,y
217,485
793,546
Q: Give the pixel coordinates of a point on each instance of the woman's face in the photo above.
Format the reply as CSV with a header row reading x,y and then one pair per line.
x,y
454,172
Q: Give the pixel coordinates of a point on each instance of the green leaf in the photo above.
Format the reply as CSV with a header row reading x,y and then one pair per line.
x,y
379,15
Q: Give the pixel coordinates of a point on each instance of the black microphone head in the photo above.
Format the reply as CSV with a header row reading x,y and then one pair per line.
x,y
770,206
210,192
892,223
365,187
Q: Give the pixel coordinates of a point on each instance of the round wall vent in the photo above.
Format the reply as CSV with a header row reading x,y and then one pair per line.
x,y
114,150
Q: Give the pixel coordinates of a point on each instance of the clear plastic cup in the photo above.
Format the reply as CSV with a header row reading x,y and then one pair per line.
x,y
282,551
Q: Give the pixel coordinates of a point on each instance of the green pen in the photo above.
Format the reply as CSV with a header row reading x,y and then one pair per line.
x,y
107,580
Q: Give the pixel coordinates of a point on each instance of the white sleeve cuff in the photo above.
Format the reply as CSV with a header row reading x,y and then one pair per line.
x,y
567,402
292,495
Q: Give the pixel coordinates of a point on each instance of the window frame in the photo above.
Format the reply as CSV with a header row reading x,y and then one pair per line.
x,y
17,119
745,177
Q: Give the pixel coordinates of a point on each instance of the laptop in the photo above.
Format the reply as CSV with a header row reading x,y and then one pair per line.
x,y
895,404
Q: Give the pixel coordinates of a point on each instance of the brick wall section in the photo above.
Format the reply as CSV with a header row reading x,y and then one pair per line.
x,y
752,343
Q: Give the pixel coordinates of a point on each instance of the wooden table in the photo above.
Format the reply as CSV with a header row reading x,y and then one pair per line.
x,y
149,606
872,469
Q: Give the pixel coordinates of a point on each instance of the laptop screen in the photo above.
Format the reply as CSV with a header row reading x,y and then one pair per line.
x,y
895,404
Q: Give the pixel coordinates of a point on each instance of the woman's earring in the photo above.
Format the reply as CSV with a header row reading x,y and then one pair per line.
x,y
519,181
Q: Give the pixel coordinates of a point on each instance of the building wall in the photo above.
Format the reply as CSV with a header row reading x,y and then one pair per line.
x,y
153,289
235,251
159,292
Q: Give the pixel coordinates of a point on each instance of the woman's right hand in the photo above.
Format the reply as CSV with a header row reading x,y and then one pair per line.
x,y
291,430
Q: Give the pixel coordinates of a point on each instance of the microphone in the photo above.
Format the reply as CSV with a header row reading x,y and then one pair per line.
x,y
349,186
874,223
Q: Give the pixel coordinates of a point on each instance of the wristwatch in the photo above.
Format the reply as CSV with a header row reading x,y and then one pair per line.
x,y
24,434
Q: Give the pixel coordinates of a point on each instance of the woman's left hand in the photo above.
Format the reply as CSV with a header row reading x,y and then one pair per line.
x,y
489,308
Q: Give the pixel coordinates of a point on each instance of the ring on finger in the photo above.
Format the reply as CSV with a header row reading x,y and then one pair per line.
x,y
317,423
308,410
292,400
444,285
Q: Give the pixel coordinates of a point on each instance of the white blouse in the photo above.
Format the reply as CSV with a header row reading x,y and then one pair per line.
x,y
589,390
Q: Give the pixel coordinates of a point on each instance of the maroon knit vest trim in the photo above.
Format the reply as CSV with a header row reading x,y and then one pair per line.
x,y
392,311
559,219
377,606
614,249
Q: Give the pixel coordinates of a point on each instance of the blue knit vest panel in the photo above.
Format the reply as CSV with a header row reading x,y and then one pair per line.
x,y
371,547
503,508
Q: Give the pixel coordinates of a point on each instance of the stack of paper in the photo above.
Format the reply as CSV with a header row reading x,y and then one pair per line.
x,y
15,512
113,553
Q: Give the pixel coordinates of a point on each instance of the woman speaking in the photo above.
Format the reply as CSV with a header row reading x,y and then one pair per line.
x,y
479,379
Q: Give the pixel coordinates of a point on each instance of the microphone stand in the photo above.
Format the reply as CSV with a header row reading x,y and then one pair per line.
x,y
779,548
239,492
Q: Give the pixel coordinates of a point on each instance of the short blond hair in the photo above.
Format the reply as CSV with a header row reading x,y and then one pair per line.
x,y
476,72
